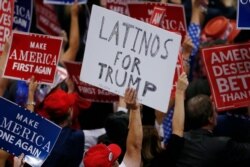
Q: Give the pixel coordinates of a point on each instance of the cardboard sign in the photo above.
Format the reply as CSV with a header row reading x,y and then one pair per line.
x,y
130,53
88,91
22,131
6,21
243,13
228,71
23,15
46,19
157,16
33,54
174,19
64,2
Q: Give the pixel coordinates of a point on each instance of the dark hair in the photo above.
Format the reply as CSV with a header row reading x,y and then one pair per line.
x,y
198,111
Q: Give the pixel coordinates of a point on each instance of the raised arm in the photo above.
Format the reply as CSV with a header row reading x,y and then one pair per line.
x,y
32,89
3,81
71,52
132,157
179,111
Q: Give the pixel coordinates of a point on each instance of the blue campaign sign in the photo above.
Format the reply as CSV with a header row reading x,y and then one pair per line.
x,y
64,2
243,13
23,15
22,131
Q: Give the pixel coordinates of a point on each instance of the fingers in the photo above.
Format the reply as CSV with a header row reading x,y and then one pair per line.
x,y
130,95
130,98
182,83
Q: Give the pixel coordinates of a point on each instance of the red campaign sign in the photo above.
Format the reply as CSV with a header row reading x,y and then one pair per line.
x,y
46,19
87,91
178,70
157,16
174,19
33,54
6,20
117,7
228,71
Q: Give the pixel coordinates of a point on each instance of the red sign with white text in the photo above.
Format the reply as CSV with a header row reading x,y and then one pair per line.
x,y
174,19
157,16
87,91
117,7
46,18
6,20
33,54
178,70
228,71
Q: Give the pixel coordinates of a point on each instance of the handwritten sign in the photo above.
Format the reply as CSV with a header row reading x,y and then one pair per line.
x,y
6,20
46,19
33,54
130,53
23,15
22,131
64,2
88,91
228,70
243,12
174,19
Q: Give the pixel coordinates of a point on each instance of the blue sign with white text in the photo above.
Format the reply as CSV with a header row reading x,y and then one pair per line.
x,y
64,2
23,15
243,14
23,131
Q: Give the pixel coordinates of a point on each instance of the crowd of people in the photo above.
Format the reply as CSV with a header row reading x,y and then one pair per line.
x,y
126,133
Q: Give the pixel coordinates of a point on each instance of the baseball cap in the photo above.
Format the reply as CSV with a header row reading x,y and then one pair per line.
x,y
220,28
56,105
101,155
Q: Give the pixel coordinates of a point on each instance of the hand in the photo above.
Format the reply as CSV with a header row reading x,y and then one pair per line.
x,y
130,99
19,161
32,85
75,8
200,5
182,83
187,46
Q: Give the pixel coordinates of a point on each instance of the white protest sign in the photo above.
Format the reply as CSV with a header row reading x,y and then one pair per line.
x,y
124,52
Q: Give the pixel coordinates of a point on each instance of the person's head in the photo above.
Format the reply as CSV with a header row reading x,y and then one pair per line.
x,y
219,30
200,112
151,144
58,106
102,155
116,126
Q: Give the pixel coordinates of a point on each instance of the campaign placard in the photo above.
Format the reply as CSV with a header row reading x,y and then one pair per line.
x,y
117,7
6,21
46,19
174,18
228,71
33,54
130,53
23,131
23,15
243,13
178,70
157,16
64,2
88,91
